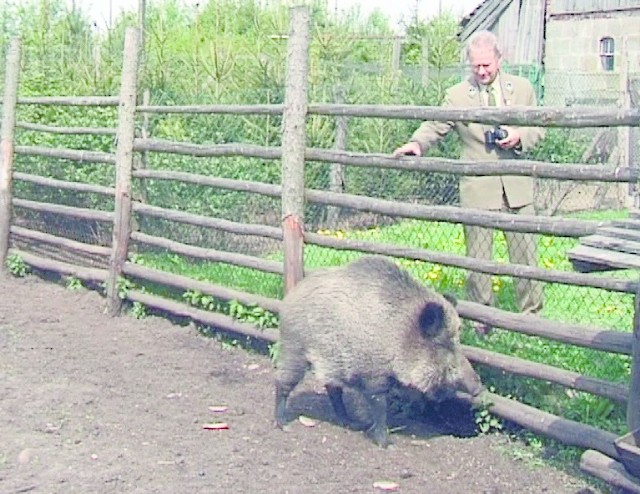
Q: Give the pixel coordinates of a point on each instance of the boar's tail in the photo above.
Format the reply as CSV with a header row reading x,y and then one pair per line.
x,y
431,319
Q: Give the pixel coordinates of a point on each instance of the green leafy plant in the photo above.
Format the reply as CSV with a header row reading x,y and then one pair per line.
x,y
74,283
16,266
252,314
124,285
486,421
138,310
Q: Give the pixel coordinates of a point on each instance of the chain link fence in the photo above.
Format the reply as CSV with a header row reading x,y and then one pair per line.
x,y
369,84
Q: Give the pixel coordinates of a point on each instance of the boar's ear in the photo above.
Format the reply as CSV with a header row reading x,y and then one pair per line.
x,y
431,319
451,298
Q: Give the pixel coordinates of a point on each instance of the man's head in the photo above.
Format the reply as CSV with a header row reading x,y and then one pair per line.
x,y
484,55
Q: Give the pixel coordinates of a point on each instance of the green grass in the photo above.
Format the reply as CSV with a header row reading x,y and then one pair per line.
x,y
587,306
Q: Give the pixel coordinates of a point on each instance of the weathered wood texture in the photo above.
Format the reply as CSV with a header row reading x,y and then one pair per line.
x,y
633,405
294,143
7,144
564,430
611,471
209,254
573,334
124,167
63,184
51,129
67,154
539,169
85,214
464,262
222,323
574,117
71,100
62,243
209,222
186,284
82,273
521,367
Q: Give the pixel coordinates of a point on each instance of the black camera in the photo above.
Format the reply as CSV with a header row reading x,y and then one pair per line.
x,y
493,135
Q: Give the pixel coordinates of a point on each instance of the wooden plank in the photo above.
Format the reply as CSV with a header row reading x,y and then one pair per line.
x,y
586,259
633,403
621,233
611,243
628,223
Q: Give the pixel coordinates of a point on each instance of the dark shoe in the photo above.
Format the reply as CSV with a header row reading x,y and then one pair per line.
x,y
481,328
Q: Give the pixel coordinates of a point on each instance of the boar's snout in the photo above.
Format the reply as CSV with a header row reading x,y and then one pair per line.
x,y
470,381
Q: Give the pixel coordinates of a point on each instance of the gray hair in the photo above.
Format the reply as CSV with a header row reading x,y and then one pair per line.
x,y
483,39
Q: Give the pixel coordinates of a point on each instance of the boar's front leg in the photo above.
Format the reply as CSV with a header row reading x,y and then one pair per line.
x,y
378,406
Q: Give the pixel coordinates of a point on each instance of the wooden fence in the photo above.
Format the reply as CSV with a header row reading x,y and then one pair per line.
x,y
293,155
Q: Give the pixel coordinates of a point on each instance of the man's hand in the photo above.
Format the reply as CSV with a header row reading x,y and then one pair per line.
x,y
511,141
410,148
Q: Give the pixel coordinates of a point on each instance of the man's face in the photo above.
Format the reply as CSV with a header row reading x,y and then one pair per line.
x,y
485,64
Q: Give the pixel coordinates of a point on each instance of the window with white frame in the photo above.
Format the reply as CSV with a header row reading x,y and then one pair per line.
x,y
607,52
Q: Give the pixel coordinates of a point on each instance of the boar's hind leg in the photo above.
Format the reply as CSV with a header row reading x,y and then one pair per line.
x,y
335,395
289,373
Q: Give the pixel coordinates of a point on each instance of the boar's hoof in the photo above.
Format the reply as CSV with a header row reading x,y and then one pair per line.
x,y
379,436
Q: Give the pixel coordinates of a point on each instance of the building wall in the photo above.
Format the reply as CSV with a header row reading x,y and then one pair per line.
x,y
572,62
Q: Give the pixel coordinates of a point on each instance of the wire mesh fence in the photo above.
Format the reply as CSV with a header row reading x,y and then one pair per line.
x,y
372,135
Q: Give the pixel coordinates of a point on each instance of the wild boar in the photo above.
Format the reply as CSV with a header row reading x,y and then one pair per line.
x,y
367,326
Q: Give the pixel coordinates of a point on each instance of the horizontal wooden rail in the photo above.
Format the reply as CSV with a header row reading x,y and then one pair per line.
x,y
80,156
540,116
41,263
209,222
62,184
526,368
51,129
70,100
82,213
469,263
221,322
572,117
452,214
573,334
212,255
611,471
61,242
538,169
185,284
566,431
222,183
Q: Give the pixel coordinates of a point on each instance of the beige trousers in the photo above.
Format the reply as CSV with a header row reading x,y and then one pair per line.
x,y
522,250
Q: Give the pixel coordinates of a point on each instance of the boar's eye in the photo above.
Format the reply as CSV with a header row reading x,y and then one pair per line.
x,y
431,319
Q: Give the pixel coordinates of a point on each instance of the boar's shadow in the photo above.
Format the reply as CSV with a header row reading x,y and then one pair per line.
x,y
410,413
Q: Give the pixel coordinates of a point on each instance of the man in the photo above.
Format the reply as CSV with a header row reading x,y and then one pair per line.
x,y
488,86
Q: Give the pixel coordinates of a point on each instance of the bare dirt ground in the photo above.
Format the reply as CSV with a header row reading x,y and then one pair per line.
x,y
93,404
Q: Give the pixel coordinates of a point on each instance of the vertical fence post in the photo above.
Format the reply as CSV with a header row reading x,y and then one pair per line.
x,y
124,165
336,174
633,402
294,144
7,135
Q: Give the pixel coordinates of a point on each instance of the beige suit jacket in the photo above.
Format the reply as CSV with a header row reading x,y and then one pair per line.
x,y
486,192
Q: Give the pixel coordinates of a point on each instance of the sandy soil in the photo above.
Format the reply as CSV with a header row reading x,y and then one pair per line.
x,y
93,404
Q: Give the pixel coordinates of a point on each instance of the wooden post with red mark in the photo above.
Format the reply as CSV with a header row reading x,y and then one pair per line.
x,y
124,166
293,145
